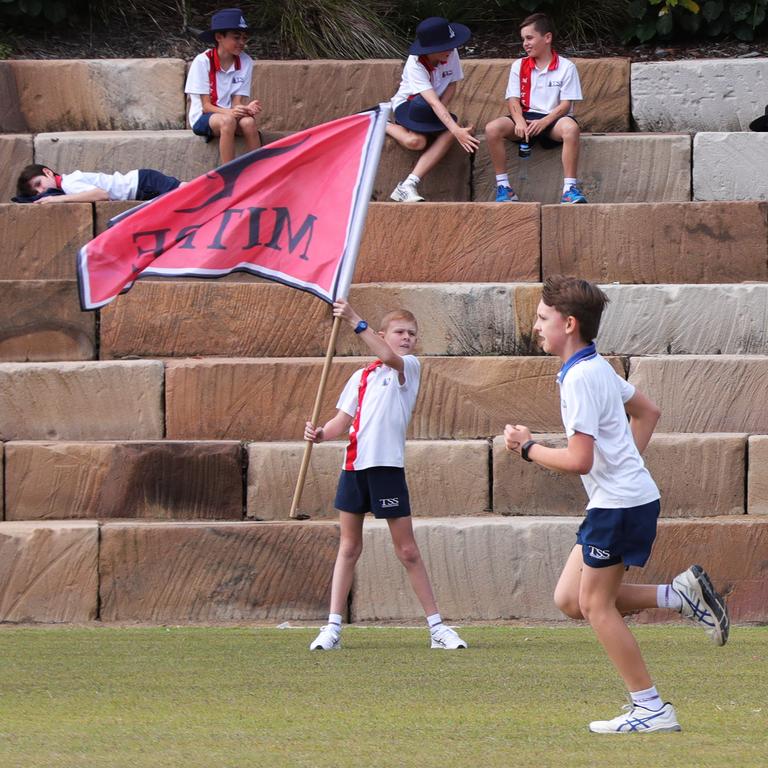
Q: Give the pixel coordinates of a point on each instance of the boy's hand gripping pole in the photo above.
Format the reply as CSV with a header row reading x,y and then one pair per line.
x,y
294,514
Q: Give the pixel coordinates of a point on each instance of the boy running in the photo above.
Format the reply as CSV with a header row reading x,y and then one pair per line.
x,y
540,94
420,106
620,525
219,86
375,407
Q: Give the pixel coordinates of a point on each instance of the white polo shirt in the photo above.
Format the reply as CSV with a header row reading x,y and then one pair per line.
x,y
548,87
592,397
385,412
119,186
417,78
229,83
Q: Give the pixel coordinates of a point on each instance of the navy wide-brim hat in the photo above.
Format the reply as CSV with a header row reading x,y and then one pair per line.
x,y
760,123
221,21
417,115
436,34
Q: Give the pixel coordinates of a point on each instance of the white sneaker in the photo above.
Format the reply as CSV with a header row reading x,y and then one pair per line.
x,y
702,603
445,638
329,639
406,192
639,720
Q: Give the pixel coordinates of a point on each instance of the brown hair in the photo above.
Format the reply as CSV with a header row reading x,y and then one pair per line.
x,y
541,23
581,299
22,183
398,314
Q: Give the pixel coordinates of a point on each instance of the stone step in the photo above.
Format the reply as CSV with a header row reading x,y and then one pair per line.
x,y
711,242
271,398
260,319
482,569
705,393
49,571
95,94
41,320
81,401
730,166
16,151
200,571
699,95
757,478
129,479
502,568
698,475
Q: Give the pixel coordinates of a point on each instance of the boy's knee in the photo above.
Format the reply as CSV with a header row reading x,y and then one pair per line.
x,y
569,605
247,125
569,129
226,124
495,129
350,550
415,141
408,554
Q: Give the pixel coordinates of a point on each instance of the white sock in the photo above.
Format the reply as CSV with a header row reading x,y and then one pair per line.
x,y
568,183
648,698
502,179
667,597
434,621
412,179
334,621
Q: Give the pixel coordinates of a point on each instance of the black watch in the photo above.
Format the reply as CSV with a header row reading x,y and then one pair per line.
x,y
525,447
361,326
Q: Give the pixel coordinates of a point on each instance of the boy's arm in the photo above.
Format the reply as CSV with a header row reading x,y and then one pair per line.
x,y
576,459
643,416
462,135
516,113
335,427
537,126
94,195
373,341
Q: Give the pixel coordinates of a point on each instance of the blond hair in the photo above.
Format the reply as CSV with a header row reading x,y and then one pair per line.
x,y
397,314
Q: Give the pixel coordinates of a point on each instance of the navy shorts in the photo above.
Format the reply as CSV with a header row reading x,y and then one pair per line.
x,y
623,535
202,127
381,490
152,184
546,141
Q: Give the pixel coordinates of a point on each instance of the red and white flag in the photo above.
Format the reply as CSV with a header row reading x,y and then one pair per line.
x,y
292,212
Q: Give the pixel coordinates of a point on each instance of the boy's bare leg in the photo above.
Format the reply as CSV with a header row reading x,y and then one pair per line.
x,y
597,598
405,138
631,597
249,130
434,154
567,131
407,551
224,127
495,133
350,547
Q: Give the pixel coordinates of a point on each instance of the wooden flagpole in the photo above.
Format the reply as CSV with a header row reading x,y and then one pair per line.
x,y
315,416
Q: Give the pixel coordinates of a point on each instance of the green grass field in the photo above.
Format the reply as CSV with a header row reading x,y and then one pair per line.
x,y
257,697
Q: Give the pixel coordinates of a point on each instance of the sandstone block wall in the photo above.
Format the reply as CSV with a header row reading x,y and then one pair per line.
x,y
76,401
697,476
42,241
616,168
41,320
685,319
173,480
445,478
49,571
16,151
260,319
699,95
757,486
92,95
656,242
700,393
216,571
270,399
730,166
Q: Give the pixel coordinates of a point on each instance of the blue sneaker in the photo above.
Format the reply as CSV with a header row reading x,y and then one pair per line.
x,y
573,195
506,195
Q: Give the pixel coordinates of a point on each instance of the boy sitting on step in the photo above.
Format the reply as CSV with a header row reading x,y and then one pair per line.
x,y
375,408
219,86
540,94
428,83
41,184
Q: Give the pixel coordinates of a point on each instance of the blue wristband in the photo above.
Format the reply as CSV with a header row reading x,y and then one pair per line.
x,y
361,326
